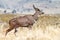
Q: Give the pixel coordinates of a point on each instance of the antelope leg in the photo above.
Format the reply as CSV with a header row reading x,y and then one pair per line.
x,y
8,30
30,26
15,30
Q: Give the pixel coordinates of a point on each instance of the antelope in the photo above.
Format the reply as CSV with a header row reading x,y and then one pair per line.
x,y
24,21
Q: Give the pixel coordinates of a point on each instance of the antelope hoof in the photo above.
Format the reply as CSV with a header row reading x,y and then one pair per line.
x,y
15,32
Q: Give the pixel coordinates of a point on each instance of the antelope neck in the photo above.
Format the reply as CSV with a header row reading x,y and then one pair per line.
x,y
35,16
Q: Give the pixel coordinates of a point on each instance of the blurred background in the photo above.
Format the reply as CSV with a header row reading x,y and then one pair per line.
x,y
25,6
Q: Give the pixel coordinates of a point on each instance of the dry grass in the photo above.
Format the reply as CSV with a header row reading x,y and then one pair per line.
x,y
46,28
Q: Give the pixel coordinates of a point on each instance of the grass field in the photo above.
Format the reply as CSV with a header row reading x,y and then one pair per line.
x,y
47,27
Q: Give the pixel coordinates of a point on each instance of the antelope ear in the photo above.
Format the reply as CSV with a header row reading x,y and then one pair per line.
x,y
36,9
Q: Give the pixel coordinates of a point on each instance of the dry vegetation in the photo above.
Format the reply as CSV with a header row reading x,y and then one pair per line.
x,y
46,28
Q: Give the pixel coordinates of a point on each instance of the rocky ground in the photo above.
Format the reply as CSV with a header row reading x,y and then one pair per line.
x,y
46,28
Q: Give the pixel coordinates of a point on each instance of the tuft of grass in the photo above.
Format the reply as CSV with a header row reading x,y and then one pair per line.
x,y
6,17
45,28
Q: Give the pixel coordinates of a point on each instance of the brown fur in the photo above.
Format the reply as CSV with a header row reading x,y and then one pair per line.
x,y
24,21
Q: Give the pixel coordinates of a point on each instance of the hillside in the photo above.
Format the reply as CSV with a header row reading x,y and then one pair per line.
x,y
47,27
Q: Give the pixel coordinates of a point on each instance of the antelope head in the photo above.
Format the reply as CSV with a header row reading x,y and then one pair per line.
x,y
37,12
